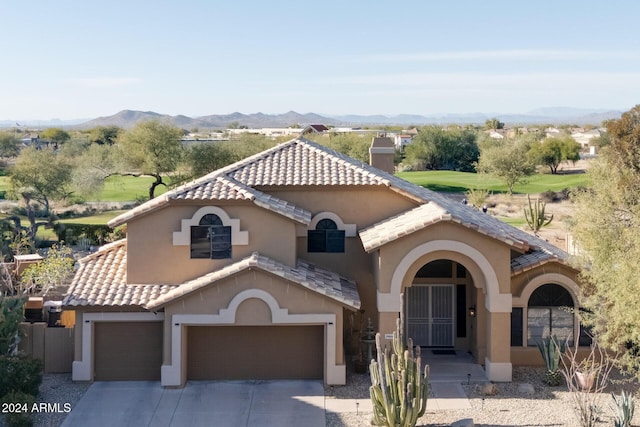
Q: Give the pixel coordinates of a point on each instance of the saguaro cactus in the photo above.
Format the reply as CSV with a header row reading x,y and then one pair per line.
x,y
398,389
535,215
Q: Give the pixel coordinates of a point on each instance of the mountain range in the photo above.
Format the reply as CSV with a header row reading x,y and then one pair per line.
x,y
129,118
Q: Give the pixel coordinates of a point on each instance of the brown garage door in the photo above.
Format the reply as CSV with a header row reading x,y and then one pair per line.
x,y
255,352
127,351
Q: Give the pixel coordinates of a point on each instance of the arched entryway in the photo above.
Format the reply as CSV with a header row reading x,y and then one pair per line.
x,y
490,285
440,306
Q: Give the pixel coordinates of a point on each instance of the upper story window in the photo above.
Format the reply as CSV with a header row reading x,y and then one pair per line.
x,y
211,239
326,237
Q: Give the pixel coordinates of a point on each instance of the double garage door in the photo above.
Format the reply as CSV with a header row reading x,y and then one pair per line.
x,y
133,351
255,352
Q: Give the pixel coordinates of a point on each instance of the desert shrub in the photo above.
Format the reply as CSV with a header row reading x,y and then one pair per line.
x,y
71,232
22,374
555,196
19,414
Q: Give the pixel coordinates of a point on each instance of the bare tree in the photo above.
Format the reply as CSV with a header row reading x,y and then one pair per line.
x,y
586,379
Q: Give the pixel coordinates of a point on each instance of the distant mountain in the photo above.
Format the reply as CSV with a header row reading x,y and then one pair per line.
x,y
555,115
125,119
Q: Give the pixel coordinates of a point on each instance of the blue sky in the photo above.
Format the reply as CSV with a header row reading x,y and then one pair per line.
x,y
82,59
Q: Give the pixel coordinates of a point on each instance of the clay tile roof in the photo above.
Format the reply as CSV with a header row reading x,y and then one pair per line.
x,y
533,259
302,162
401,225
217,188
314,278
439,208
101,280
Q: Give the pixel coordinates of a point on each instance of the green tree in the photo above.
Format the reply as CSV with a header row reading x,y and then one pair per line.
x,y
105,135
152,148
351,144
606,228
11,314
553,151
57,136
507,161
39,177
493,123
8,144
204,158
54,271
436,148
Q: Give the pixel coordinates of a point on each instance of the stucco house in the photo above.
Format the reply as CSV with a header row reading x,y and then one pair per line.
x,y
253,271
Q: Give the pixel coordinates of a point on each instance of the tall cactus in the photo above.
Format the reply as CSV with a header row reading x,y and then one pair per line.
x,y
535,215
398,389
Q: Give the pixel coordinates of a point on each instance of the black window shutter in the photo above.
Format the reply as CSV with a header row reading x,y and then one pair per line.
x,y
220,241
200,241
335,240
316,241
516,327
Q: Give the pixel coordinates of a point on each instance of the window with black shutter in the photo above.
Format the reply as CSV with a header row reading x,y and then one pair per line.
x,y
325,238
211,239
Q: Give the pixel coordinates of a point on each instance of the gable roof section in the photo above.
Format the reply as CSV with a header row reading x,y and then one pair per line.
x,y
537,251
301,162
101,279
314,278
218,187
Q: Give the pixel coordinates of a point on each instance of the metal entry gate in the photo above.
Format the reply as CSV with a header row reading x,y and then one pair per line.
x,y
430,313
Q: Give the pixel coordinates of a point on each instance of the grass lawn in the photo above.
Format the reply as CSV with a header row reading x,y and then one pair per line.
x,y
116,188
450,181
100,219
127,189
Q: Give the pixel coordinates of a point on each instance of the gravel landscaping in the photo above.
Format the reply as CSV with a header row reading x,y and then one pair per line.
x,y
548,406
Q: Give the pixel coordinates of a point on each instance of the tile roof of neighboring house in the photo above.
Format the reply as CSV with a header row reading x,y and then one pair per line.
x,y
102,280
314,278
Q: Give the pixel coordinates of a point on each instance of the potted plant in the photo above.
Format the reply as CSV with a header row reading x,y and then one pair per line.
x,y
587,373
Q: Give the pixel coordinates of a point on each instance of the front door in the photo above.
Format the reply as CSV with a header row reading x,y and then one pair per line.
x,y
430,313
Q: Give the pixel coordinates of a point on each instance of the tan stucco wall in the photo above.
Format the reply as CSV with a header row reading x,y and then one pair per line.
x,y
520,281
152,257
291,296
496,253
355,205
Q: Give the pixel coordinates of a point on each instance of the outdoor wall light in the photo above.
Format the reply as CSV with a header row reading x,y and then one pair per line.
x,y
472,311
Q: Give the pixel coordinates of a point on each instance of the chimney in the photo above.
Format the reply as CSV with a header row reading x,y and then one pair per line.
x,y
381,153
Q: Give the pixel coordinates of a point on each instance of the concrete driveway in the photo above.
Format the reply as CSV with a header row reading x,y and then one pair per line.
x,y
201,403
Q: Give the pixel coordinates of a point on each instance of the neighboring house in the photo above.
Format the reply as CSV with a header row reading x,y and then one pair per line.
x,y
402,140
585,139
254,271
496,134
31,139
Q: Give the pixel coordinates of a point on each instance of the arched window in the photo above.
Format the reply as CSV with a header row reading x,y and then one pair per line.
x,y
549,313
210,238
326,237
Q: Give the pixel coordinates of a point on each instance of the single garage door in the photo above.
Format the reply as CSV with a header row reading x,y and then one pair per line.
x,y
255,352
127,351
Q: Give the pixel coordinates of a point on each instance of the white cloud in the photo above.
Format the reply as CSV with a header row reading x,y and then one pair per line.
x,y
105,82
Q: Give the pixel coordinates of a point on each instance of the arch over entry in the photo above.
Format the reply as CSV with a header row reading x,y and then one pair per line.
x,y
495,301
